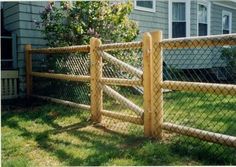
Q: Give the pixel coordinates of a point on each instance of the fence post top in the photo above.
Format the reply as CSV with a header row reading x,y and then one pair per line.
x,y
147,34
156,32
96,41
28,46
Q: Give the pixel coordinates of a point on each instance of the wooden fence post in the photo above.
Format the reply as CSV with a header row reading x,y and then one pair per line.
x,y
96,75
157,93
28,70
147,83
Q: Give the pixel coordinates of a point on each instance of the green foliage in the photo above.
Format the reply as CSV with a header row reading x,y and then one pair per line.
x,y
75,23
230,55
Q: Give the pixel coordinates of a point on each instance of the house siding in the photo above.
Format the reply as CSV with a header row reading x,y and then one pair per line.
x,y
188,58
216,19
19,19
149,21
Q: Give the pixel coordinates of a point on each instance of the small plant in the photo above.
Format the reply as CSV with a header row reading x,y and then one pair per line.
x,y
229,55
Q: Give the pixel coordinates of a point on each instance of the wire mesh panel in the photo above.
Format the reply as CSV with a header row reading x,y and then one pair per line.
x,y
199,95
57,75
122,88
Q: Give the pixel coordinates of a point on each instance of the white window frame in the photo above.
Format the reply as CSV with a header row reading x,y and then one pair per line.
x,y
207,4
187,17
144,8
224,12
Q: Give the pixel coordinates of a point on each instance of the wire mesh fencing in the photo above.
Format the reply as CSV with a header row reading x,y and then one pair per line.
x,y
199,98
63,76
167,89
122,87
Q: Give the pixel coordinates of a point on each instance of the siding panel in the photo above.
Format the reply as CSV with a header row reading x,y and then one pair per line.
x,y
19,17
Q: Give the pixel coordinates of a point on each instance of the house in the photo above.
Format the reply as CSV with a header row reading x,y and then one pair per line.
x,y
176,18
188,18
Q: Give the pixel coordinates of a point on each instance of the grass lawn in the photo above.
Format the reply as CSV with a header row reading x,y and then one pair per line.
x,y
47,134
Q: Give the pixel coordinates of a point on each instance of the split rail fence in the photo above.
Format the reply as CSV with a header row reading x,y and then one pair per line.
x,y
100,72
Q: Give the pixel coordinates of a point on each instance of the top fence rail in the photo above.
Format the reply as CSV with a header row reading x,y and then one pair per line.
x,y
86,48
120,46
67,49
195,42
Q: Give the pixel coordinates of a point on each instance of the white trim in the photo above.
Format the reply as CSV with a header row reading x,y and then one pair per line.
x,y
224,12
223,5
187,16
144,8
208,6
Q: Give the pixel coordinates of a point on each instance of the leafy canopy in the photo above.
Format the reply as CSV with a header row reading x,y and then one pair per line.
x,y
75,23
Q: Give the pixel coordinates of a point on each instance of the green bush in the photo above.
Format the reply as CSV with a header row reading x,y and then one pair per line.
x,y
75,23
229,55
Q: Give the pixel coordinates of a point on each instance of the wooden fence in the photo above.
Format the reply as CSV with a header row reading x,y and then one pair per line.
x,y
150,78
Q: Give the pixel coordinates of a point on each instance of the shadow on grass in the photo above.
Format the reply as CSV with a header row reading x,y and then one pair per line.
x,y
82,143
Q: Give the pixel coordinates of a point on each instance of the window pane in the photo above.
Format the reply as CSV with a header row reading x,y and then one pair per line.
x,y
202,29
225,31
6,53
178,29
226,22
178,11
202,14
145,4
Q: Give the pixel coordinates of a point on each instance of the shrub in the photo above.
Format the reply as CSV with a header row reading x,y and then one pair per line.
x,y
75,23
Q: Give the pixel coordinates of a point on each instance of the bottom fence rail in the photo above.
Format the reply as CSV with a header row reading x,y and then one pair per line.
x,y
201,134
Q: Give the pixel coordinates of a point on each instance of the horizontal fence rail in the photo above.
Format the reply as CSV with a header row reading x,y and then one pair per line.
x,y
219,89
121,82
195,42
68,49
201,134
120,46
61,76
64,102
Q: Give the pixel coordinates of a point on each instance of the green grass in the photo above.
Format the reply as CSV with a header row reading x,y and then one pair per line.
x,y
47,134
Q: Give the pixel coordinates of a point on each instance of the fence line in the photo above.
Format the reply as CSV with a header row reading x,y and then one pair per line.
x,y
201,134
68,49
64,102
121,82
61,76
218,89
194,42
120,46
150,79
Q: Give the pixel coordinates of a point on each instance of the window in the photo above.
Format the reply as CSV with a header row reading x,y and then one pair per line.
x,y
226,22
203,17
202,20
145,5
179,18
8,47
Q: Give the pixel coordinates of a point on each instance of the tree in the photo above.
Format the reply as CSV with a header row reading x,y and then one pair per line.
x,y
75,23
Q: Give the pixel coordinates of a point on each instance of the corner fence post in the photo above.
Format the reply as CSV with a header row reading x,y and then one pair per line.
x,y
147,82
96,75
28,70
157,80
